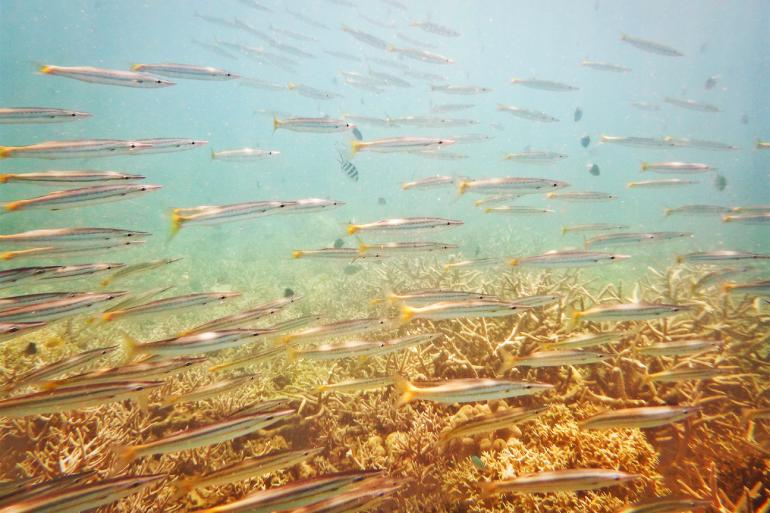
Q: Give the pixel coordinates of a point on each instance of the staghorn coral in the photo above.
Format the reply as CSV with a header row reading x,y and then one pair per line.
x,y
365,430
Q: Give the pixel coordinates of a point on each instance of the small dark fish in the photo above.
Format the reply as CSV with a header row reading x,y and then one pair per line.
x,y
347,167
357,134
381,201
477,462
578,114
594,169
31,348
745,119
720,182
287,292
711,82
585,141
339,243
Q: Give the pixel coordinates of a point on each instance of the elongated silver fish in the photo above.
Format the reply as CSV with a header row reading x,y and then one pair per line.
x,y
106,76
650,46
592,227
568,258
81,197
403,224
639,418
638,142
653,184
667,504
48,371
435,28
676,167
681,347
77,149
762,218
9,330
338,328
552,359
366,38
317,125
70,236
535,157
488,422
357,348
168,145
460,89
688,104
70,304
24,115
509,183
604,66
429,296
571,480
251,315
529,114
429,182
244,154
544,85
420,55
588,340
720,257
56,177
616,239
218,432
696,210
581,196
401,144
400,248
76,497
223,213
517,210
465,390
73,398
629,312
187,71
245,469
171,303
196,343
140,371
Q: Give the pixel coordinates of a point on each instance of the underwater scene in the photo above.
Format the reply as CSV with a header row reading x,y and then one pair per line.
x,y
384,255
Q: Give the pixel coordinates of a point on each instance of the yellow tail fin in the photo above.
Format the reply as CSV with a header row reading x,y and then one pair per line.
x,y
407,314
276,123
462,186
291,85
362,248
355,146
513,262
4,178
176,222
5,151
124,455
486,489
183,487
645,166
564,230
352,229
45,69
406,391
13,205
297,254
508,361
136,67
131,346
727,287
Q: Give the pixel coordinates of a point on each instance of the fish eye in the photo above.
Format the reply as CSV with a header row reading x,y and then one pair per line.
x,y
13,329
441,142
555,184
143,189
140,388
73,115
140,81
158,81
228,75
612,257
222,297
193,143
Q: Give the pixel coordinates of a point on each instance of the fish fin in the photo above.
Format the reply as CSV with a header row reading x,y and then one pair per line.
x,y
667,211
462,186
12,205
406,391
550,195
355,147
50,385
213,155
574,317
5,177
322,388
352,229
8,255
124,455
727,287
297,254
514,262
407,313
488,210
176,222
183,487
362,247
645,166
564,230
130,346
45,68
508,361
680,259
291,86
285,340
136,67
486,489
276,123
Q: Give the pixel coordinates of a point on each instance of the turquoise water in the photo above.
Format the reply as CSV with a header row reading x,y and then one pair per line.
x,y
498,41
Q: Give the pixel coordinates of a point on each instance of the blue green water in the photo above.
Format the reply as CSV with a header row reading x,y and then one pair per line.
x,y
499,40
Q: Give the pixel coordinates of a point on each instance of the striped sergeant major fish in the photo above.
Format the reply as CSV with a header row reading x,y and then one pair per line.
x,y
347,167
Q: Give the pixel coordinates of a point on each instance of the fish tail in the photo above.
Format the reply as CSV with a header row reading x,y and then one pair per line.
x,y
136,67
727,287
109,316
213,155
5,177
176,222
645,166
486,489
12,206
362,248
292,354
124,455
550,195
462,186
45,68
564,230
130,346
407,314
514,262
390,48
352,229
355,146
679,259
667,211
508,361
727,219
49,386
105,282
322,388
183,487
7,255
276,123
291,85
285,340
297,254
406,391
488,210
